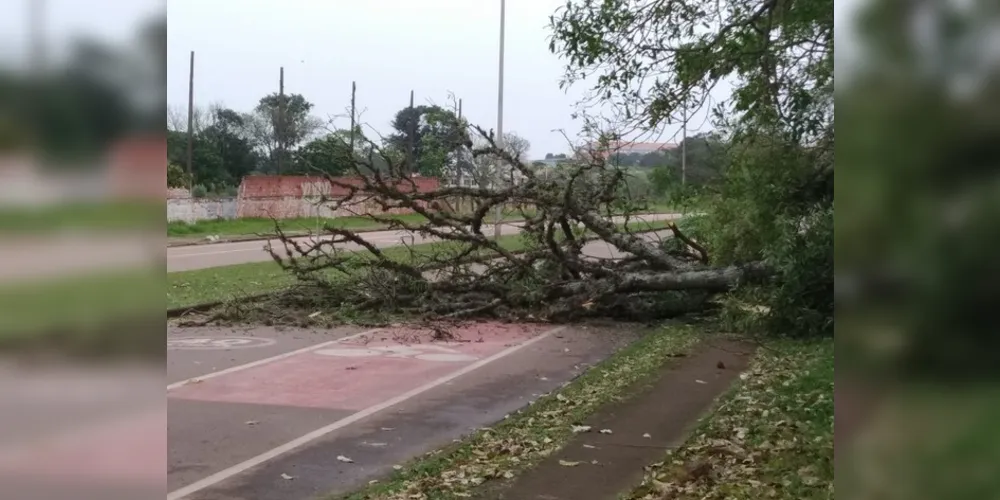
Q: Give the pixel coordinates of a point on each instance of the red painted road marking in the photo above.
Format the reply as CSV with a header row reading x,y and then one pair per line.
x,y
396,361
233,369
129,450
305,439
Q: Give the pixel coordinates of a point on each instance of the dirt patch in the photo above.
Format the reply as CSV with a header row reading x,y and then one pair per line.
x,y
596,465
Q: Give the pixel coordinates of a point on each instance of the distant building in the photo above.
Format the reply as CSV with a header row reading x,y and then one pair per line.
x,y
549,162
629,148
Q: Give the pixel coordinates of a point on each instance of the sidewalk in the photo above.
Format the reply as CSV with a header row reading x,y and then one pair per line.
x,y
598,465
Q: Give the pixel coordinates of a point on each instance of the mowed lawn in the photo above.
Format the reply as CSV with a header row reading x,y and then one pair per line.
x,y
771,436
253,226
188,288
78,303
90,216
261,225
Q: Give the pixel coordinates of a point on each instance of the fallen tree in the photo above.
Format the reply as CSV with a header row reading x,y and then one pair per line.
x,y
550,278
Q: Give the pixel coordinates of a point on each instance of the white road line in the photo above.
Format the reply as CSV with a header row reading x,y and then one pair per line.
x,y
265,361
318,433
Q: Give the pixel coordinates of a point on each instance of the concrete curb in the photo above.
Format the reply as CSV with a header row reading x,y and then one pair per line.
x,y
177,312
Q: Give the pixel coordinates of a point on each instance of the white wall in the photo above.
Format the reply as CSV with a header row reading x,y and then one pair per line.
x,y
195,209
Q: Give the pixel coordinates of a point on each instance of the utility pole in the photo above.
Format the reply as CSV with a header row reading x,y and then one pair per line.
x,y
499,141
684,135
280,130
37,59
411,151
354,89
461,151
190,144
38,54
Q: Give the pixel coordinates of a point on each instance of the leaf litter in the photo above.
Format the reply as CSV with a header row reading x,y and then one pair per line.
x,y
771,437
530,435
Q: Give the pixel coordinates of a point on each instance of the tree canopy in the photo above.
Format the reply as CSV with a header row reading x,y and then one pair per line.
x,y
656,62
431,135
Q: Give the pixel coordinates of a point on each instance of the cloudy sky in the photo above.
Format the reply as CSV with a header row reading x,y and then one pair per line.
x,y
63,21
388,47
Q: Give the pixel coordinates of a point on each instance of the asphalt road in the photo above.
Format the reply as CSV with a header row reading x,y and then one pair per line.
x,y
188,258
296,414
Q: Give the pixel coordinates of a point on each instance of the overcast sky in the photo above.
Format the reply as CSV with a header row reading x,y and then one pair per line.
x,y
111,21
387,46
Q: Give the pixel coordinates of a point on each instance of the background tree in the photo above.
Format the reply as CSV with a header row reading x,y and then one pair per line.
x,y
663,180
176,176
330,154
776,202
517,145
277,131
487,170
432,135
222,154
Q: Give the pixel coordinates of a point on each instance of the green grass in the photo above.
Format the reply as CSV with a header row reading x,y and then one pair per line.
x,y
83,310
253,226
928,439
188,288
528,436
90,216
771,436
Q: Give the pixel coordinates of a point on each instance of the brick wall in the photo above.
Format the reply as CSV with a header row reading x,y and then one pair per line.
x,y
138,167
288,196
280,197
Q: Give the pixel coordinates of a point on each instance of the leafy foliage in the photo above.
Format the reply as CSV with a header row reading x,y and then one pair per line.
x,y
176,176
330,154
432,135
778,56
530,435
771,437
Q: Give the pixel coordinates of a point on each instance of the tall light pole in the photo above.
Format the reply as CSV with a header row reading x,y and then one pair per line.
x,y
37,11
499,208
684,140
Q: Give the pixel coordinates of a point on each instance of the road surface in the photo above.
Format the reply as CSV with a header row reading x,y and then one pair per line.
x,y
296,414
187,258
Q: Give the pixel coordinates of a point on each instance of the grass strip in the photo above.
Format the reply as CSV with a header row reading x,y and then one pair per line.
x,y
251,226
81,309
188,288
771,436
104,215
262,225
523,439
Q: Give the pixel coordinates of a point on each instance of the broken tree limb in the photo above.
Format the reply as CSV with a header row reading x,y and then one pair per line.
x,y
552,270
